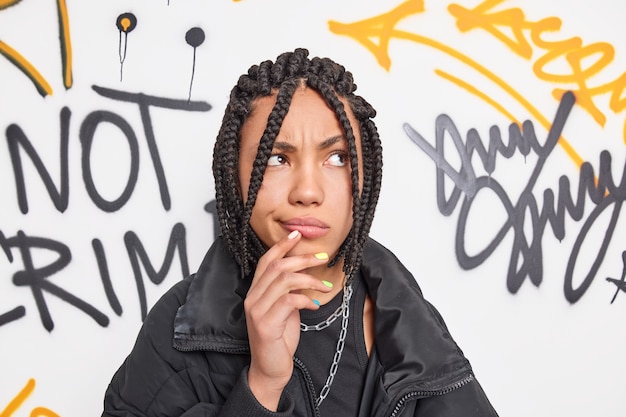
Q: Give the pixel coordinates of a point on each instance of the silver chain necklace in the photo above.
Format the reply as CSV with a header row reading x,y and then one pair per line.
x,y
344,311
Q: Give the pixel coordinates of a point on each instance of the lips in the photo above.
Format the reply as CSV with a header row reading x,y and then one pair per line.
x,y
310,228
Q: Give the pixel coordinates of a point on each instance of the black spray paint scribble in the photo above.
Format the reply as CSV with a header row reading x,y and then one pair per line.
x,y
39,279
17,140
526,259
194,38
28,251
621,282
126,23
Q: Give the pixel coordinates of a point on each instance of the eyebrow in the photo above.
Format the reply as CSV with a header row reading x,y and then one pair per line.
x,y
288,147
331,141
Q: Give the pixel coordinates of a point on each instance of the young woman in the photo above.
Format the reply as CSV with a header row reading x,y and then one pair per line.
x,y
295,311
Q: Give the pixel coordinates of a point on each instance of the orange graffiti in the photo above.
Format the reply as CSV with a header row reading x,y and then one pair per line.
x,y
42,86
21,397
8,3
383,27
380,26
26,67
511,18
597,55
66,43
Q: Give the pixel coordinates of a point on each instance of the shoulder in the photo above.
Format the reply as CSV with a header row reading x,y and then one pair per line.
x,y
153,361
155,337
379,262
168,304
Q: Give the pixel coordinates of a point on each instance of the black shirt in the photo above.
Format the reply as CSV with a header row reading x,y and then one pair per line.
x,y
317,349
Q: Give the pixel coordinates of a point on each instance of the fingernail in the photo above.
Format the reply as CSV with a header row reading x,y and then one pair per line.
x,y
321,255
293,234
317,303
328,284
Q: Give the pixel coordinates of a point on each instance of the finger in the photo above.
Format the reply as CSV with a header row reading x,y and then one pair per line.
x,y
280,269
278,251
269,323
269,315
282,309
294,282
288,282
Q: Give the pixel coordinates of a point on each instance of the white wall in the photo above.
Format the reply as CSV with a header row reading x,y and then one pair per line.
x,y
538,348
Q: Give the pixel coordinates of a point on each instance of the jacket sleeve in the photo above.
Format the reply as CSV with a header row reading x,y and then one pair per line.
x,y
158,380
155,379
241,402
467,401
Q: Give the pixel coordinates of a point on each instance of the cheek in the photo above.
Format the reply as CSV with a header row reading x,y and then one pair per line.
x,y
343,200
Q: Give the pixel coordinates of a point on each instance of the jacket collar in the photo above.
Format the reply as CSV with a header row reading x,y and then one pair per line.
x,y
412,342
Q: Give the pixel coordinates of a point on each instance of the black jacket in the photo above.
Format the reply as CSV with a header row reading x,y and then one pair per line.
x,y
191,355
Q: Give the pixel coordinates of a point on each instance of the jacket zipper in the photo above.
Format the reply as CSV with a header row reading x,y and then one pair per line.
x,y
309,383
428,393
238,350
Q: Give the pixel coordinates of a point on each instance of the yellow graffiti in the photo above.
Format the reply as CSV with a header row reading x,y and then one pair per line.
x,y
42,86
26,67
125,23
475,91
511,18
597,56
8,3
42,412
66,43
383,27
21,397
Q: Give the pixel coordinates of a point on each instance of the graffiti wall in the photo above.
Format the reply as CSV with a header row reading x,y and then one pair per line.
x,y
504,130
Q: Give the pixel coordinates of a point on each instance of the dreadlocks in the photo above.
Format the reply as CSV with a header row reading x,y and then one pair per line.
x,y
282,77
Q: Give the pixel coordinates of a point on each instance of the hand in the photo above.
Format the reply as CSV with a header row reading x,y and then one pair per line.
x,y
272,308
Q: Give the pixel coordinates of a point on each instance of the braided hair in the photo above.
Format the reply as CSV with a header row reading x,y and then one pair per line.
x,y
282,77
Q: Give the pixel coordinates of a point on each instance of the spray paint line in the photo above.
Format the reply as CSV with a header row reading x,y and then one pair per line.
x,y
194,38
126,23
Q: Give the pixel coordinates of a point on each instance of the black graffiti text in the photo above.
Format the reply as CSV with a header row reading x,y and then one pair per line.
x,y
526,261
19,144
45,281
30,253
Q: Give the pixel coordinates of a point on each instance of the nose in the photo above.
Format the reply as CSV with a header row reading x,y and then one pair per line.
x,y
307,186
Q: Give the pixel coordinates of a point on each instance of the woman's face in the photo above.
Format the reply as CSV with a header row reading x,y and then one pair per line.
x,y
307,185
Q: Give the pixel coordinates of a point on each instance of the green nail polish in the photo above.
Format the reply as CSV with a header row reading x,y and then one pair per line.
x,y
328,284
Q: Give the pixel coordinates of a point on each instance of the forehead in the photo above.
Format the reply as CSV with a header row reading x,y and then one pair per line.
x,y
308,114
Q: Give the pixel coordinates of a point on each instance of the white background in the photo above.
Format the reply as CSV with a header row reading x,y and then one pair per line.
x,y
534,352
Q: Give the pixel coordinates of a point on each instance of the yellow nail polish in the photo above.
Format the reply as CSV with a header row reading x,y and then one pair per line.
x,y
321,255
328,284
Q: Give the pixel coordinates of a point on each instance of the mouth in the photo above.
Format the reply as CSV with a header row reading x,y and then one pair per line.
x,y
309,227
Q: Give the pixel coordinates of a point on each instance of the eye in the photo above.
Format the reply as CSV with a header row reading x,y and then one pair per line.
x,y
276,160
338,159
